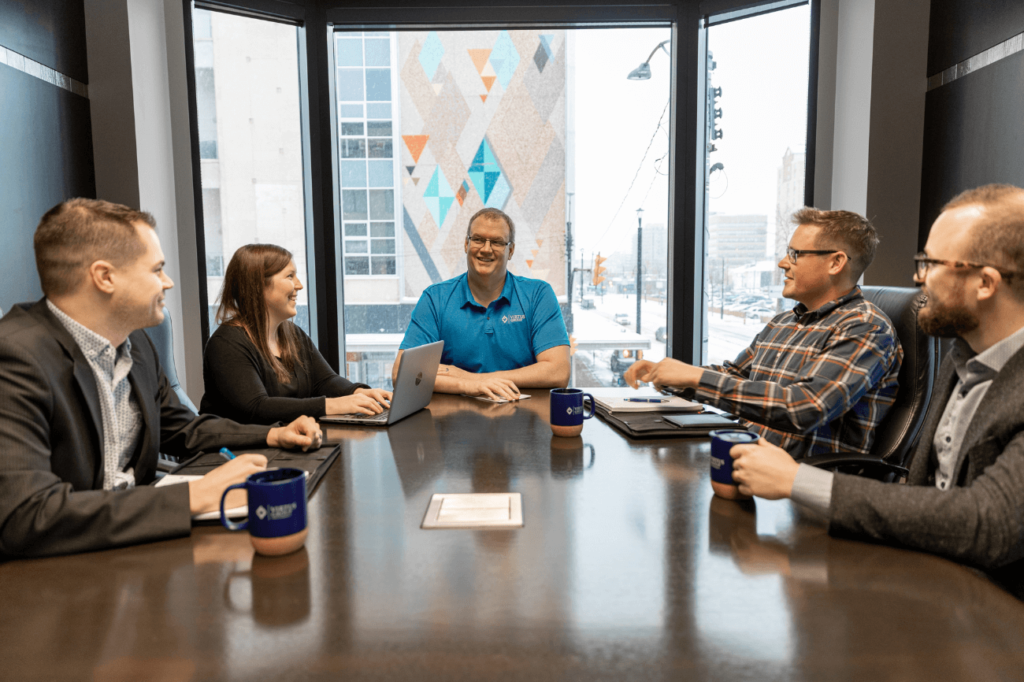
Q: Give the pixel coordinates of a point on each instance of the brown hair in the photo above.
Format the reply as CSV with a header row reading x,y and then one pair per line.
x,y
76,233
494,214
997,237
243,303
843,230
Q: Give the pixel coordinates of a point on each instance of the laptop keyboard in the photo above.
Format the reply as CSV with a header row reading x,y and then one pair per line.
x,y
383,416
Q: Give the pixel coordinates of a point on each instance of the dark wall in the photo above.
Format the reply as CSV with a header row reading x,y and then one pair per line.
x,y
45,133
973,133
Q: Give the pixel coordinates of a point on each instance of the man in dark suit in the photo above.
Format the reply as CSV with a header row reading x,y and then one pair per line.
x,y
85,406
965,498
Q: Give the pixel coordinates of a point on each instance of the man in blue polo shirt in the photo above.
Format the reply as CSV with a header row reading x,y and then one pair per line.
x,y
500,331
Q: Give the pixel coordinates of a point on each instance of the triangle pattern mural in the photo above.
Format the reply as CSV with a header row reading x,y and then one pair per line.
x,y
504,58
431,54
487,177
415,144
438,196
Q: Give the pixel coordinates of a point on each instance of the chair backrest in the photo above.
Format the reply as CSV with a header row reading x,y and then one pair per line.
x,y
900,427
162,337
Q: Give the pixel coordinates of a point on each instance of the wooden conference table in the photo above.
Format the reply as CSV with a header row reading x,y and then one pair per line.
x,y
627,568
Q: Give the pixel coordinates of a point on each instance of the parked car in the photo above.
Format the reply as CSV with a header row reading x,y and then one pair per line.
x,y
587,304
622,318
660,335
624,359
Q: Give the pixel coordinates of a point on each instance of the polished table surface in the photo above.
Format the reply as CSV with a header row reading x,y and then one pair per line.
x,y
626,568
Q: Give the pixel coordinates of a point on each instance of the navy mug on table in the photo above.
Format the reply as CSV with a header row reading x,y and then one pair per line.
x,y
567,411
277,510
722,441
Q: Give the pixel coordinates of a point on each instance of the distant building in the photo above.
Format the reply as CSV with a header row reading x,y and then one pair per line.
x,y
736,241
789,199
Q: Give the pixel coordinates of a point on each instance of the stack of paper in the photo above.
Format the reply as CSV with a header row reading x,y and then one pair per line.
x,y
617,400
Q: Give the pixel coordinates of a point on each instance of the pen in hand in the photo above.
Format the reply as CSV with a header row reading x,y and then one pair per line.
x,y
226,454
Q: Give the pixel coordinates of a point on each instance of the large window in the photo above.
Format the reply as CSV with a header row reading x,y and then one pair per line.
x,y
757,115
432,126
250,143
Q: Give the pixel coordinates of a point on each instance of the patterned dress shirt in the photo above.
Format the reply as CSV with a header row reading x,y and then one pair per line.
x,y
813,382
121,416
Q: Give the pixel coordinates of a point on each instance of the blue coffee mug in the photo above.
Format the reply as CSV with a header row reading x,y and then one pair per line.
x,y
722,441
277,510
567,412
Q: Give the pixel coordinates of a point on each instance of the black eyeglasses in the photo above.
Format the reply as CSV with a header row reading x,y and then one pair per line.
x,y
496,244
793,254
922,264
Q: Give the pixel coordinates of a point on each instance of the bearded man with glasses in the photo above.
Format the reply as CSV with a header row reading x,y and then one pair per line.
x,y
500,331
964,497
819,378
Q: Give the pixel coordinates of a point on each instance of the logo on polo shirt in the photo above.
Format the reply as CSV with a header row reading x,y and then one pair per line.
x,y
512,318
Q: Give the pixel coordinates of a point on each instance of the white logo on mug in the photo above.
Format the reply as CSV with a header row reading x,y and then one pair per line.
x,y
261,512
568,410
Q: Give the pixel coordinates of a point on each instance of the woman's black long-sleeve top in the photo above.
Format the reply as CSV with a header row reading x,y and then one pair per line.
x,y
241,385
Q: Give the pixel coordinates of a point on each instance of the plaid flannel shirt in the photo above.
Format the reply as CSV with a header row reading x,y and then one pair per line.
x,y
813,382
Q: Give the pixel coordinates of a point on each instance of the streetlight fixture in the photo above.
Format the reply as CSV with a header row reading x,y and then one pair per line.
x,y
639,261
643,72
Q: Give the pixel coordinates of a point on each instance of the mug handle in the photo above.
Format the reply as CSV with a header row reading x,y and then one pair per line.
x,y
593,405
228,523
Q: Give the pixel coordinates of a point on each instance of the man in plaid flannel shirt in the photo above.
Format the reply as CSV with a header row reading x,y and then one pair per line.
x,y
819,378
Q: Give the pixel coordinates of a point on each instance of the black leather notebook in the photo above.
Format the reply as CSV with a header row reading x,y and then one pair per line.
x,y
660,425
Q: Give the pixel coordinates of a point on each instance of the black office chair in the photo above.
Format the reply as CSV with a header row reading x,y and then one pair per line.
x,y
899,430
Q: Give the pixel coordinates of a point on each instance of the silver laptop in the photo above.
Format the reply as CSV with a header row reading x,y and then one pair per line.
x,y
413,388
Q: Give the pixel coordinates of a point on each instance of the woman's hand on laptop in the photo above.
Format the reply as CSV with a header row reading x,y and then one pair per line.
x,y
357,403
379,394
490,387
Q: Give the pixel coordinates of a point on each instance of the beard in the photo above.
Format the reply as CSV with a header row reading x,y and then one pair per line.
x,y
947,319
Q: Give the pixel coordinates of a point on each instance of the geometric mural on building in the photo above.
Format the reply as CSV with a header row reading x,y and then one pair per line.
x,y
483,121
431,54
438,196
489,181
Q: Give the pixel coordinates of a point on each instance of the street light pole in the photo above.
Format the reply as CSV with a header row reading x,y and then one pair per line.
x,y
639,261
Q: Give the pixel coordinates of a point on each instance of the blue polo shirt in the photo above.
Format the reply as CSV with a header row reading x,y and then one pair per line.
x,y
510,333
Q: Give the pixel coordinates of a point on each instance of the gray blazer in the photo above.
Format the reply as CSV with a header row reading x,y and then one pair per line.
x,y
51,463
981,520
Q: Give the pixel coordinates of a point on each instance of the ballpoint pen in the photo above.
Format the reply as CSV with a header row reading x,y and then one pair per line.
x,y
226,454
646,400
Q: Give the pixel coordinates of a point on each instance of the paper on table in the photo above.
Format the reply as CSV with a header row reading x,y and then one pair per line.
x,y
522,396
233,513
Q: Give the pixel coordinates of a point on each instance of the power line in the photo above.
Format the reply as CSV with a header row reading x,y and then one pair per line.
x,y
636,175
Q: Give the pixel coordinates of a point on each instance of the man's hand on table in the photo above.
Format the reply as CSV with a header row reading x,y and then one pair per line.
x,y
303,433
489,386
763,470
204,493
668,372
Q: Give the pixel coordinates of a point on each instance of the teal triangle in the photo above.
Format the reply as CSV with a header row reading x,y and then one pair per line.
x,y
431,190
444,203
478,182
489,180
479,158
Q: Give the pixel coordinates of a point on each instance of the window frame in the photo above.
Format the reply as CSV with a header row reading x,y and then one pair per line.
x,y
316,21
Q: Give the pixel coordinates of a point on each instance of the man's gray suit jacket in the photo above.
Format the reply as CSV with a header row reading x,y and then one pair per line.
x,y
980,521
51,455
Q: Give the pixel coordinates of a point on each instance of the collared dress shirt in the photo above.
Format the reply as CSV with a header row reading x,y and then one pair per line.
x,y
813,381
509,333
120,413
813,487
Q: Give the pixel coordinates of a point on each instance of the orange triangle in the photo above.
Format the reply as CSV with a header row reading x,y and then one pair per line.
x,y
488,81
540,242
483,98
479,58
415,143
415,181
529,263
535,252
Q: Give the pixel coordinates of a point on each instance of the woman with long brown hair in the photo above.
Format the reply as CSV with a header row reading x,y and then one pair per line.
x,y
261,368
